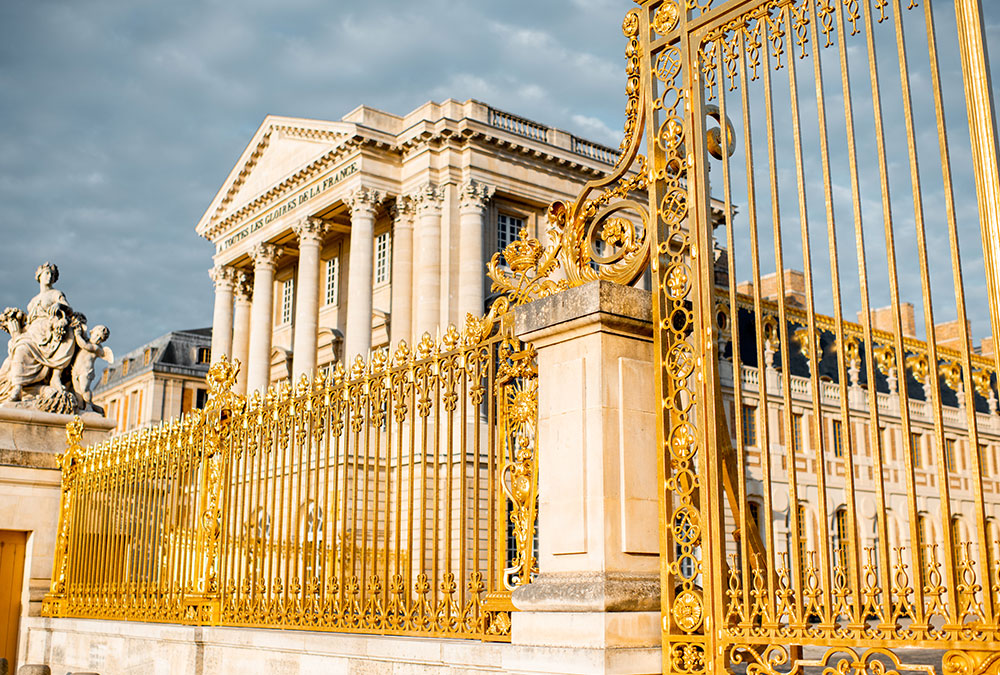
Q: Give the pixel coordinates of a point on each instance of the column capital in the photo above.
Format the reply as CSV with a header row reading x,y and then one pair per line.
x,y
402,209
428,197
310,230
474,195
364,201
265,255
244,286
223,276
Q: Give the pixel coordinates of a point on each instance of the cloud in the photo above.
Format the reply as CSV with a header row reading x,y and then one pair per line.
x,y
120,120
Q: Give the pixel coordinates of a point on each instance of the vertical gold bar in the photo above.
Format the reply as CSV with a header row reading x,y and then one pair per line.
x,y
708,407
858,620
743,523
919,620
982,136
769,619
887,220
368,406
796,622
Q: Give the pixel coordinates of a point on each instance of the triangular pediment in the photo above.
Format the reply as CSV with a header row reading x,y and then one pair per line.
x,y
281,147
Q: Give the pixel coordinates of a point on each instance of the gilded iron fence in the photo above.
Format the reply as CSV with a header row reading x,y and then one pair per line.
x,y
830,489
376,499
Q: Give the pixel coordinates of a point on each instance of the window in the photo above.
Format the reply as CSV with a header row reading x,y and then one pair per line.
x,y
287,299
838,438
949,453
382,258
803,540
957,549
797,432
125,365
754,512
915,450
204,354
332,281
105,375
147,356
508,228
922,532
200,398
749,426
840,538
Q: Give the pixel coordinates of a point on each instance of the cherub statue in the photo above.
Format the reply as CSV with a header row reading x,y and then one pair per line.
x,y
49,363
90,349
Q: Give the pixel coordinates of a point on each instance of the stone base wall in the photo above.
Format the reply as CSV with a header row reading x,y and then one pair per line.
x,y
127,648
30,440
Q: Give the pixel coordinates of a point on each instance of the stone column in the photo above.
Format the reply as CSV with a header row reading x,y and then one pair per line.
x,y
224,278
595,606
401,318
310,232
241,328
428,259
472,265
358,340
261,316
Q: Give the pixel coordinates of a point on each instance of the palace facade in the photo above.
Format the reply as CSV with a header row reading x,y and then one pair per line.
x,y
158,381
334,238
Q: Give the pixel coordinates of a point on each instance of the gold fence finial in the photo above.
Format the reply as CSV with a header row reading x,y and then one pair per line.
x,y
220,380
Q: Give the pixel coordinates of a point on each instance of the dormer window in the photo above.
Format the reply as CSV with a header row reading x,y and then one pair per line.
x,y
204,355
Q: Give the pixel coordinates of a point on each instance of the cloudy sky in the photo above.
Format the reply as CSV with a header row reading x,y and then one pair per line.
x,y
119,119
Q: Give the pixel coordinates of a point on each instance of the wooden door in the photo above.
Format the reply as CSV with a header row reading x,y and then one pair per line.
x,y
12,547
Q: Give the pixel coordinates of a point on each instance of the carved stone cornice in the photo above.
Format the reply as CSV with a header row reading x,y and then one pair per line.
x,y
265,255
310,230
428,198
474,195
223,276
364,201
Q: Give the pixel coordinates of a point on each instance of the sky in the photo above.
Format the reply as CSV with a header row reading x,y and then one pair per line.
x,y
120,119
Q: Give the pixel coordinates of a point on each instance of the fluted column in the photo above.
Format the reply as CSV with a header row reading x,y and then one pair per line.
x,y
261,316
363,202
241,328
310,232
401,321
224,278
472,264
428,274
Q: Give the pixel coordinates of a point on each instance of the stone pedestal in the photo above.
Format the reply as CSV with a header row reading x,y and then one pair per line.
x,y
595,606
29,486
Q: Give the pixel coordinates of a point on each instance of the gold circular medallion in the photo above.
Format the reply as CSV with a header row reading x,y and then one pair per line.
x,y
665,19
687,611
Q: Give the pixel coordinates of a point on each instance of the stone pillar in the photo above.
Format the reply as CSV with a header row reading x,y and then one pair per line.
x,y
261,316
401,317
362,203
595,606
241,328
472,264
310,232
428,258
224,278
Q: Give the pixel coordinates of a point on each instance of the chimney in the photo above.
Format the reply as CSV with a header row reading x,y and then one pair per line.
x,y
949,334
795,288
882,319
